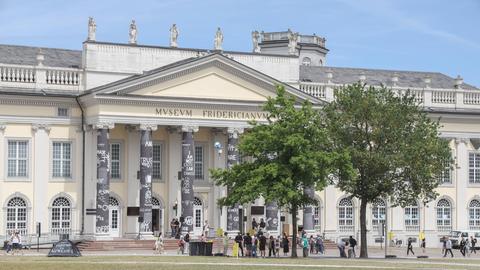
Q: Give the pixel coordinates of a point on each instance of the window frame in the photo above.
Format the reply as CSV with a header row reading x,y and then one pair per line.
x,y
162,161
28,165
376,221
62,159
411,226
121,163
440,221
475,169
71,178
476,217
204,162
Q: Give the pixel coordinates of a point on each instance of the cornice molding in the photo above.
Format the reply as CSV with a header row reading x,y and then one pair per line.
x,y
35,101
41,126
103,125
3,126
35,119
235,131
148,127
189,128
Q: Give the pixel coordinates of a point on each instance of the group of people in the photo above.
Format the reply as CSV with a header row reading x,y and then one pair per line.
x,y
346,247
467,246
257,245
175,228
312,245
13,244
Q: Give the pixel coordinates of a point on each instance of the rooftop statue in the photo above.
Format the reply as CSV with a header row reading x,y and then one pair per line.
x,y
292,42
92,27
133,33
256,40
173,36
217,44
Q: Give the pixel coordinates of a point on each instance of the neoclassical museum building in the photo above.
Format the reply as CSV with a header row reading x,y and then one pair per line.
x,y
117,139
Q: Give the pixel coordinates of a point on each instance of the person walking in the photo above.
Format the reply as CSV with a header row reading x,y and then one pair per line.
x,y
239,240
226,239
254,246
468,247
352,243
444,244
159,245
473,242
423,245
320,246
285,244
448,247
187,242
410,247
16,243
462,246
311,242
181,246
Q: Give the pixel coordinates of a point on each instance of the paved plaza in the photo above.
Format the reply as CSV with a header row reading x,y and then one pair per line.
x,y
146,259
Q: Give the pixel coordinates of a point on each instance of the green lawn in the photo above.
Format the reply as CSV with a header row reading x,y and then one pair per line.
x,y
214,263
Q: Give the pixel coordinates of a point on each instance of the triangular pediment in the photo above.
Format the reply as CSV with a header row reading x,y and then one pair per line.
x,y
212,77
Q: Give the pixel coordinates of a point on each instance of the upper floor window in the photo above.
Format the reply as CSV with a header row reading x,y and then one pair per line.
x,y
474,167
199,162
446,175
17,164
306,61
115,154
62,112
157,161
61,159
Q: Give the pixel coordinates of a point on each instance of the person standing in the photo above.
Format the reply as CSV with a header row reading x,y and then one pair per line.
x,y
206,228
239,240
305,245
16,243
352,243
172,227
262,244
311,242
444,244
448,247
277,246
177,229
473,242
254,225
341,248
247,242
468,247
254,246
187,242
271,246
262,225
409,246
320,244
225,243
285,244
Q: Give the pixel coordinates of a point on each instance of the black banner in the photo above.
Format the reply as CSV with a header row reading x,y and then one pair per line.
x,y
188,173
103,181
146,170
232,159
271,212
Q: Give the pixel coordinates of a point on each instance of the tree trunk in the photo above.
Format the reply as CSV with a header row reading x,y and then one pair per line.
x,y
363,229
294,234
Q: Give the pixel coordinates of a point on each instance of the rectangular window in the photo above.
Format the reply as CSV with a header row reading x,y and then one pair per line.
x,y
446,176
157,161
61,159
474,168
17,159
62,112
115,160
199,159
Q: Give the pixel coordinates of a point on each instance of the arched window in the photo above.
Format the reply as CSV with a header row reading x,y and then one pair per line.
x,y
474,215
345,215
316,215
155,203
306,61
61,216
444,217
114,215
16,216
157,215
378,213
412,217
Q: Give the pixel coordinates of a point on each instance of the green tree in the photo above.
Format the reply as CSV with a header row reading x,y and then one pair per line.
x,y
286,155
393,145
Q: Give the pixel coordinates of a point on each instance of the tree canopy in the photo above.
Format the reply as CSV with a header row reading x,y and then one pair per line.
x,y
393,144
289,153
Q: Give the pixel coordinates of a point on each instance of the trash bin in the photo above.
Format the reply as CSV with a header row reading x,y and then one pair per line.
x,y
193,247
198,248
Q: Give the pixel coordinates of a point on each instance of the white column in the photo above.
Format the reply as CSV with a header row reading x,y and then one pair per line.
x,y
173,183
90,178
219,215
461,180
133,183
331,210
3,126
41,165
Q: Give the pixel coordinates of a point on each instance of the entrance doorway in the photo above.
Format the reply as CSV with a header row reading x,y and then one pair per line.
x,y
197,216
114,217
157,216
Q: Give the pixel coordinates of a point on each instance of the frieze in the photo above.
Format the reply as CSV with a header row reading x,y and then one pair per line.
x,y
210,114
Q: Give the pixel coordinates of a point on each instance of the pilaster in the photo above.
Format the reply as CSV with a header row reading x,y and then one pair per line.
x,y
461,182
40,178
188,176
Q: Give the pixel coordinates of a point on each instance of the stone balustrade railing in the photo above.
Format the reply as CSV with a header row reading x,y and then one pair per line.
x,y
428,97
40,77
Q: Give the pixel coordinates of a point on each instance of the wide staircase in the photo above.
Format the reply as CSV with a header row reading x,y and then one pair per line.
x,y
169,245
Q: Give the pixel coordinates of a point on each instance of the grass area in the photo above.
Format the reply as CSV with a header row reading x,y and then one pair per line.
x,y
214,263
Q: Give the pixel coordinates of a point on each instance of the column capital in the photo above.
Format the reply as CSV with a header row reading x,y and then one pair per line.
x,y
3,126
235,130
103,125
189,128
462,140
151,127
37,127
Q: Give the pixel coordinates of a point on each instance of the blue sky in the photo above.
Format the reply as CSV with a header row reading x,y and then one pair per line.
x,y
421,35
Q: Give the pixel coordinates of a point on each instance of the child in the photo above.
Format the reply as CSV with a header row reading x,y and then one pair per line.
x,y
159,244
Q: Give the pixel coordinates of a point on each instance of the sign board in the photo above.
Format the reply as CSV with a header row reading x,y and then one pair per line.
x,y
379,240
64,248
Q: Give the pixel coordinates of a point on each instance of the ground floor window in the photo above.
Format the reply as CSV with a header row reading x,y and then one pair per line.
x,y
61,216
16,216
